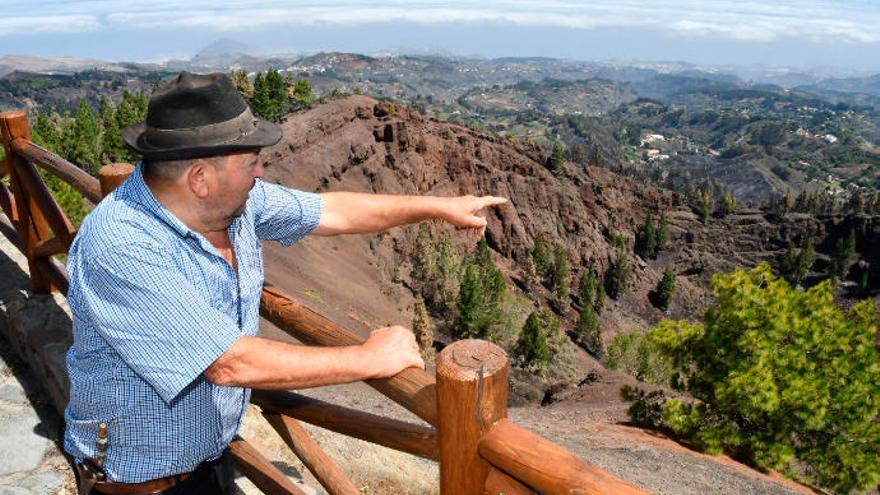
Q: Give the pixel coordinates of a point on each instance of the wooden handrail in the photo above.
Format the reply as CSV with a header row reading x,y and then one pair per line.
x,y
498,482
32,224
411,388
260,471
50,247
399,435
545,466
41,195
310,453
9,231
7,202
78,178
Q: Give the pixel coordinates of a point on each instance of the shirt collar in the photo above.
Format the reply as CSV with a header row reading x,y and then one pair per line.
x,y
141,194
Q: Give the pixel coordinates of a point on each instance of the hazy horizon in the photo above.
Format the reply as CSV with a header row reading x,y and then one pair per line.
x,y
807,35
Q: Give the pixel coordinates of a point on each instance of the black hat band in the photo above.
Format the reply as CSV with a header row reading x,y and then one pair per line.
x,y
207,135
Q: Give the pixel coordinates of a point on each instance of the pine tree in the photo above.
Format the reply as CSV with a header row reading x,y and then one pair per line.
x,y
843,257
557,160
646,243
788,264
530,271
665,290
705,204
795,386
84,147
474,320
541,256
805,259
532,350
601,295
242,83
446,288
45,133
129,111
559,275
587,329
276,94
617,280
662,233
425,258
728,204
423,329
587,288
260,103
112,147
302,92
493,280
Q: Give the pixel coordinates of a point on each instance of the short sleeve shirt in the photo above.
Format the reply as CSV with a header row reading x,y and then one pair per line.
x,y
154,304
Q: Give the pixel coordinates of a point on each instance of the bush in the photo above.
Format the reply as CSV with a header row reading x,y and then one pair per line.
x,y
780,375
617,277
665,290
633,353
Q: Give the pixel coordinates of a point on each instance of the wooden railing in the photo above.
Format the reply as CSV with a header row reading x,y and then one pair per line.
x,y
478,449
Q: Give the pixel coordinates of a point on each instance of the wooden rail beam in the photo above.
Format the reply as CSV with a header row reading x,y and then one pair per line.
x,y
498,483
472,387
545,466
50,247
399,435
8,230
268,478
78,178
309,452
31,224
411,388
42,197
7,202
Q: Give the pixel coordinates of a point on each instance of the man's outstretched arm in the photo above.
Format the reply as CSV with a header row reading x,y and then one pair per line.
x,y
255,362
358,213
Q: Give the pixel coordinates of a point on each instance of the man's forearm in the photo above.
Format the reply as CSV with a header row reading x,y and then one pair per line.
x,y
359,213
255,362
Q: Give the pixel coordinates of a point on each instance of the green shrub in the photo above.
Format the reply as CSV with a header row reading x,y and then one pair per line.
x,y
780,376
540,341
665,290
633,353
617,277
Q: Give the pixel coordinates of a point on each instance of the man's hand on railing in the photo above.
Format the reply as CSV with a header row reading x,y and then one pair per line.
x,y
393,349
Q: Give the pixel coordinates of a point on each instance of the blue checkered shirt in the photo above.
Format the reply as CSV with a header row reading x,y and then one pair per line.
x,y
153,305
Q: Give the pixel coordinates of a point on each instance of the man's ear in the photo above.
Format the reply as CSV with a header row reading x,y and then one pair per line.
x,y
199,177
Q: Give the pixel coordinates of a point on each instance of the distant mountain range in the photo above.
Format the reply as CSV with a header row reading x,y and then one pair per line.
x,y
228,54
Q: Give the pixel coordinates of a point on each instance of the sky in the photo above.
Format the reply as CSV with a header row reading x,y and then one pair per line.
x,y
807,33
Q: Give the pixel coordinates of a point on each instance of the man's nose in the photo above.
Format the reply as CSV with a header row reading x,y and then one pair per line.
x,y
259,170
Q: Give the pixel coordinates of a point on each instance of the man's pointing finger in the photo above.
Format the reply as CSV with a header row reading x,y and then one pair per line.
x,y
493,201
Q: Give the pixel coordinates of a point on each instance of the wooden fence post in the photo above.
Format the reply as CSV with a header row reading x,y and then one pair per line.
x,y
110,176
32,224
471,397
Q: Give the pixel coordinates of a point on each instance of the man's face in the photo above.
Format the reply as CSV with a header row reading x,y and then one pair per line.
x,y
235,181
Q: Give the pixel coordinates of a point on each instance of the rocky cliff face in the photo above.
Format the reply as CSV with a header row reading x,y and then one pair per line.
x,y
361,144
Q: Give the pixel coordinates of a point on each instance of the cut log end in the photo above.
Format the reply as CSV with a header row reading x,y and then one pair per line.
x,y
110,176
464,360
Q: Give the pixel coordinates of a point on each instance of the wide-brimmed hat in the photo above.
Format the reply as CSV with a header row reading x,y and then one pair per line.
x,y
198,115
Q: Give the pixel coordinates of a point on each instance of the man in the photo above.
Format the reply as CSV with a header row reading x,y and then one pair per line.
x,y
165,282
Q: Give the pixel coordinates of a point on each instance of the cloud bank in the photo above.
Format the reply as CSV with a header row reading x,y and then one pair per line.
x,y
747,21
